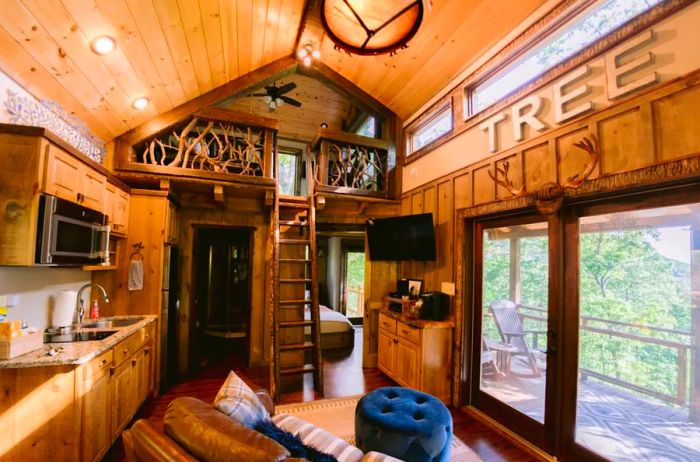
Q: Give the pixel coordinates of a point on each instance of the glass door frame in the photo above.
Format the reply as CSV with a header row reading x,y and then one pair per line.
x,y
650,198
543,435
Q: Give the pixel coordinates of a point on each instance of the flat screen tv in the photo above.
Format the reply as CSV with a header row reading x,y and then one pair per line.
x,y
406,238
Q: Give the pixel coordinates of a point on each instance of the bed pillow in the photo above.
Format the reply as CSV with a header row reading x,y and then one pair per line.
x,y
239,402
291,442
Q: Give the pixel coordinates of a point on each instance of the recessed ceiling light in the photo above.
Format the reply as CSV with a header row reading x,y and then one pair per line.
x,y
140,103
103,45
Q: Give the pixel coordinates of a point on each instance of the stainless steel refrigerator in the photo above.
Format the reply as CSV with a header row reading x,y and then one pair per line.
x,y
169,315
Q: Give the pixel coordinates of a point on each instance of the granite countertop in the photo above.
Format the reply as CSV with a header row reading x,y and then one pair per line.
x,y
75,353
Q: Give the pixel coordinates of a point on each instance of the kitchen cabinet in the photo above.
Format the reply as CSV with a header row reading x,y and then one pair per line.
x,y
117,209
75,412
63,178
416,353
71,179
32,161
95,390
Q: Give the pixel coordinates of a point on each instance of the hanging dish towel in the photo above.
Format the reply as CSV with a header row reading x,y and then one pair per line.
x,y
136,275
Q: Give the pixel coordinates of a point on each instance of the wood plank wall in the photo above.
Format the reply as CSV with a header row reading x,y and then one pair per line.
x,y
637,134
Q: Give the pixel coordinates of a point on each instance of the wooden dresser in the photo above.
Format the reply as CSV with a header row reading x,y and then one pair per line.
x,y
416,353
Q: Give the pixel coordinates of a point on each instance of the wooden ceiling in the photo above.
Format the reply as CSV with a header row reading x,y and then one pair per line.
x,y
318,104
168,50
172,51
453,34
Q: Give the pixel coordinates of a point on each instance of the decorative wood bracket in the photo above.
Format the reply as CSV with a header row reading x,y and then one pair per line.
x,y
550,197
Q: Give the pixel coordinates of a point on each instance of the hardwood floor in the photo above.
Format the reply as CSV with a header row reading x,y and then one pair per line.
x,y
344,376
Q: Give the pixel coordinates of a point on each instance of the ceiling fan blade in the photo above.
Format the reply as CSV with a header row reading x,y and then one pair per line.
x,y
291,101
287,88
259,94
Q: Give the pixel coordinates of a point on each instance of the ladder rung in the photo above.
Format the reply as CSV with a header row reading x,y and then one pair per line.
x,y
294,241
297,346
294,281
295,302
296,323
305,369
295,260
293,223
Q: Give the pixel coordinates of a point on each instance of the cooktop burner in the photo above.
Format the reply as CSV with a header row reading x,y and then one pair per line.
x,y
77,336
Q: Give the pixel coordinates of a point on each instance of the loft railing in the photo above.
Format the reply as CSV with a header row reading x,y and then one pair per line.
x,y
351,164
638,333
212,144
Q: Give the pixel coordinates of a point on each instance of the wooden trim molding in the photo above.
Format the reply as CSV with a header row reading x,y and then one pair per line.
x,y
560,14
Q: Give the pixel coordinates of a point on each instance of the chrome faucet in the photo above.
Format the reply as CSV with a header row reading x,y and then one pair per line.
x,y
79,305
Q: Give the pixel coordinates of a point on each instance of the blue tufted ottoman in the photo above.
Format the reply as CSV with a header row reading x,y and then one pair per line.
x,y
404,423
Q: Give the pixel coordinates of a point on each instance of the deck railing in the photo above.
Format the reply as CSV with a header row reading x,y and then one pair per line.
x,y
680,341
351,164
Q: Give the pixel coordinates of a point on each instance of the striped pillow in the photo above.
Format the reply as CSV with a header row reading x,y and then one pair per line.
x,y
320,439
239,402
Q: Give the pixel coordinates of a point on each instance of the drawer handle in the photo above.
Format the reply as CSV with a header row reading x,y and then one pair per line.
x,y
126,350
103,362
133,362
386,324
405,332
147,350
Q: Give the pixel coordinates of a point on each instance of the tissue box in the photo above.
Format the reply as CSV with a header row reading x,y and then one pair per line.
x,y
20,345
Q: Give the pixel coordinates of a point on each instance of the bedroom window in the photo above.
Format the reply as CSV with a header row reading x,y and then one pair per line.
x,y
437,125
559,45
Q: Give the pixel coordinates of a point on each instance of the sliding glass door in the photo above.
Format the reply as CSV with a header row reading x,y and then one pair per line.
x,y
512,362
635,325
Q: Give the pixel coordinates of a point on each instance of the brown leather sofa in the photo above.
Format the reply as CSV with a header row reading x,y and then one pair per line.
x,y
195,430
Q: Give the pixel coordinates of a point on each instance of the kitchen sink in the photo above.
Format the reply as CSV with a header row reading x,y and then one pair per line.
x,y
77,336
112,323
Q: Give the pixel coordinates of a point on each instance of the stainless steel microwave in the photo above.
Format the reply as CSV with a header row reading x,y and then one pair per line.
x,y
70,234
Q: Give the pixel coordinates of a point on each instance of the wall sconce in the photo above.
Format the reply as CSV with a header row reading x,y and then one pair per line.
x,y
308,53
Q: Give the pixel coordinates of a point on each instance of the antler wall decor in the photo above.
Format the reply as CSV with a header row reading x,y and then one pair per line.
x,y
550,197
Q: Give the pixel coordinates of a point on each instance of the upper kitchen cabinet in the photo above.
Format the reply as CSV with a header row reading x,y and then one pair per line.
x,y
117,209
71,179
34,161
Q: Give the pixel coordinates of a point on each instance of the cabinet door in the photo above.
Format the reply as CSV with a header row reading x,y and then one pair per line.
x,y
93,189
407,364
121,398
64,177
386,355
96,408
147,376
121,212
110,202
137,386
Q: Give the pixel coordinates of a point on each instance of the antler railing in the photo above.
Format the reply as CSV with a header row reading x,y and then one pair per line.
x,y
216,140
351,163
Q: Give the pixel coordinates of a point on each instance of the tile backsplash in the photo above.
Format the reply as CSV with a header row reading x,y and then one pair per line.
x,y
37,287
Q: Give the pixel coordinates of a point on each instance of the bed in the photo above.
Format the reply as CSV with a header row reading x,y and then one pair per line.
x,y
336,330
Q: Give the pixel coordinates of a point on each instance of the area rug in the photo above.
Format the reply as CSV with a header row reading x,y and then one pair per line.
x,y
337,415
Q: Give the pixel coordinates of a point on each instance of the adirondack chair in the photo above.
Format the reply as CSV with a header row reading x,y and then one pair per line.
x,y
510,326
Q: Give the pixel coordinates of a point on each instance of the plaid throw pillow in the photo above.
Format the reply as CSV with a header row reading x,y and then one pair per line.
x,y
239,402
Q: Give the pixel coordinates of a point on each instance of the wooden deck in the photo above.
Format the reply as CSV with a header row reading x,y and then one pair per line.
x,y
615,423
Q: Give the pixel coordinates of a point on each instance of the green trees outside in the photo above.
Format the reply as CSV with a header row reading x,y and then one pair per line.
x,y
355,279
623,277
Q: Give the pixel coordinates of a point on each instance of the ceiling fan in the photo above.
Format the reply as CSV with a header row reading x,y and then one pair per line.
x,y
275,96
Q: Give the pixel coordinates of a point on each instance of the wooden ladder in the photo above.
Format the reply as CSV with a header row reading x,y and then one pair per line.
x,y
295,269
